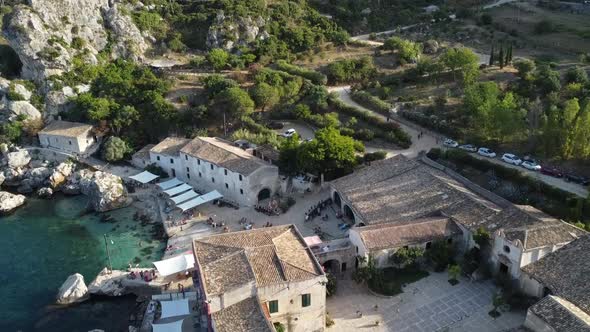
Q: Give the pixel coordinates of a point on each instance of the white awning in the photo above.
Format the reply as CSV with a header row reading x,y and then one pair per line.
x,y
174,308
208,197
168,327
175,264
184,197
177,190
144,177
312,240
169,184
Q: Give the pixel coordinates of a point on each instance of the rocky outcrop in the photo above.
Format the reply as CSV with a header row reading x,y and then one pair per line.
x,y
230,32
60,174
18,159
105,191
9,202
58,101
73,290
48,34
21,108
108,283
45,192
2,178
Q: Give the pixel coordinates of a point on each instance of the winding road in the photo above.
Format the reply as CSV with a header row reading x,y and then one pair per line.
x,y
431,140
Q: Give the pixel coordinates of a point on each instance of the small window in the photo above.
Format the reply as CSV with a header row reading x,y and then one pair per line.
x,y
187,169
507,249
241,191
406,247
305,300
240,177
70,142
198,161
226,186
188,175
171,161
185,157
225,171
200,175
173,173
211,166
273,306
158,158
428,245
213,180
450,240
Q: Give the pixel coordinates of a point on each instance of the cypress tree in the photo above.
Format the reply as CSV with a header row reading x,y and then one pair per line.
x,y
492,56
501,56
509,59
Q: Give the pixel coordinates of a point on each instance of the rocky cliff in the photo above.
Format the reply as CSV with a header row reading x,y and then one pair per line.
x,y
230,32
48,34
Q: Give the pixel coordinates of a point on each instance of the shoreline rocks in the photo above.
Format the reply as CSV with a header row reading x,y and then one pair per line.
x,y
109,284
9,202
106,191
73,290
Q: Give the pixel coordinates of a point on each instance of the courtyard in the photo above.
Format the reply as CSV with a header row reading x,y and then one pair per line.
x,y
430,304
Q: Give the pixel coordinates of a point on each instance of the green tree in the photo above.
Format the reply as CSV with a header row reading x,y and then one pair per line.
x,y
582,133
492,59
218,58
576,75
462,60
440,254
288,155
328,152
525,68
570,111
501,56
214,84
115,149
122,117
265,95
548,80
406,256
234,101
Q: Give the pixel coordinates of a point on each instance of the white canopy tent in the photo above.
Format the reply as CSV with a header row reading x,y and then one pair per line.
x,y
177,190
175,264
174,308
168,327
144,177
208,197
184,197
170,184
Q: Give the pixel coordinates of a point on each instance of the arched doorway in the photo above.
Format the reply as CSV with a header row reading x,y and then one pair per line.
x,y
332,266
348,213
337,199
263,194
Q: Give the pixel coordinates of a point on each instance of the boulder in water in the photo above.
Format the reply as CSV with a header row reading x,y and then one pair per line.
x,y
73,290
45,192
9,202
105,191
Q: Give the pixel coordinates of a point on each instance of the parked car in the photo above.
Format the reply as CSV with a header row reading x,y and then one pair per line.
x,y
532,165
486,153
450,143
551,171
577,179
289,132
468,147
511,159
276,125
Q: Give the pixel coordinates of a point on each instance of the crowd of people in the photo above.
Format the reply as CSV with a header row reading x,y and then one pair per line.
x,y
145,275
317,209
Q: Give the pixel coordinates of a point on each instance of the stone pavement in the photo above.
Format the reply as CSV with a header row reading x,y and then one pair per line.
x,y
428,305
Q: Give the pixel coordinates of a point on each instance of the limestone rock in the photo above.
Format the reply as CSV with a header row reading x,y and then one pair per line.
x,y
45,192
42,34
60,174
57,101
105,191
18,159
71,189
109,284
9,202
73,290
23,91
430,46
21,108
230,32
2,178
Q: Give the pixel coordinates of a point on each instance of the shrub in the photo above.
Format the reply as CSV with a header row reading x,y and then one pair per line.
x,y
312,75
364,134
373,156
157,170
78,43
332,285
366,99
545,26
115,149
351,70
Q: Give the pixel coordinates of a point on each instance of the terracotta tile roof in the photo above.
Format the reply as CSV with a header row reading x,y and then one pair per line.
x,y
170,146
244,316
396,235
532,227
223,154
399,189
561,314
267,256
66,128
566,272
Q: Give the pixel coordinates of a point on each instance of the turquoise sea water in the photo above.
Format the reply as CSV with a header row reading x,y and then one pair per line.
x,y
44,242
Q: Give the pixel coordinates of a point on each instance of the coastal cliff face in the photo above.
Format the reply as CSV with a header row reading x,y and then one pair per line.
x,y
48,35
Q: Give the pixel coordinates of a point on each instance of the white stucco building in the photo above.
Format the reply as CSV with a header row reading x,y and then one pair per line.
x,y
251,280
70,137
209,163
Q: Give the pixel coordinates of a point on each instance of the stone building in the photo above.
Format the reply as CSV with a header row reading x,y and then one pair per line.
x,y
250,280
141,158
69,137
210,163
